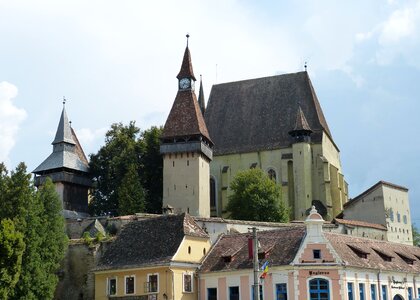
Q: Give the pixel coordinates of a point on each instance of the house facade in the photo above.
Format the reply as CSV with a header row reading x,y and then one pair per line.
x,y
151,259
307,263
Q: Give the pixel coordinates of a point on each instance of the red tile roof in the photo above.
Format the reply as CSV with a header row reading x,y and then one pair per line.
x,y
360,223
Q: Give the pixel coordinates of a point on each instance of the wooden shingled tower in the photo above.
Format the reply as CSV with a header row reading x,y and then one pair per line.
x,y
187,149
68,168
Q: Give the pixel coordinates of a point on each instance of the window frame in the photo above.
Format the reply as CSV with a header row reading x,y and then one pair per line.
x,y
230,292
362,291
108,286
207,292
149,283
384,292
134,284
318,290
191,275
350,291
281,291
373,291
317,252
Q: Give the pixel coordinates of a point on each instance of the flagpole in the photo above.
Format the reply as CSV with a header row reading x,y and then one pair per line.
x,y
256,266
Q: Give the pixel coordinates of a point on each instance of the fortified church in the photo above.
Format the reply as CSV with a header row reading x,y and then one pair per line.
x,y
192,252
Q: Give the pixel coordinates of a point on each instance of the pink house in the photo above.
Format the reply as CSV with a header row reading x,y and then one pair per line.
x,y
306,263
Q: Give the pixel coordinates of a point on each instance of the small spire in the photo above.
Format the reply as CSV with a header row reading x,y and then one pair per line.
x,y
186,66
201,100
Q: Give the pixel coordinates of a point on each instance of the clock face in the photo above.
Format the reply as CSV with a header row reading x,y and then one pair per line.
x,y
184,83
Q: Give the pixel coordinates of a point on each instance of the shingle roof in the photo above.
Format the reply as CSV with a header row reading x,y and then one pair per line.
x,y
149,241
342,245
67,151
186,67
360,223
257,114
185,118
282,245
301,122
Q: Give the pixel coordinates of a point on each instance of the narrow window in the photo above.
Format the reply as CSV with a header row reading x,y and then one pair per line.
x,y
281,291
350,290
212,294
391,215
373,292
234,293
384,292
410,293
173,163
317,253
188,162
187,286
212,193
112,286
129,284
398,217
405,219
153,282
189,249
362,291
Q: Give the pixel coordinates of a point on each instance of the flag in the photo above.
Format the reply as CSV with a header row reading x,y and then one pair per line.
x,y
264,268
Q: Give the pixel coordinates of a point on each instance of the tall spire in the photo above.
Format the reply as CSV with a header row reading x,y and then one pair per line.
x,y
186,67
63,133
201,100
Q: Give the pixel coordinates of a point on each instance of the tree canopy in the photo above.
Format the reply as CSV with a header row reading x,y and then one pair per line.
x,y
31,221
256,198
127,171
416,235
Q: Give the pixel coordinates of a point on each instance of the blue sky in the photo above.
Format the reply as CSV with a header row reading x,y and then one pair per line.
x,y
116,61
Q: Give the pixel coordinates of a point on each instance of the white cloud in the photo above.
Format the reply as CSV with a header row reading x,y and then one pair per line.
x,y
400,25
10,119
90,139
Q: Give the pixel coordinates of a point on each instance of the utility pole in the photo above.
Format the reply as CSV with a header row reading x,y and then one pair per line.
x,y
256,265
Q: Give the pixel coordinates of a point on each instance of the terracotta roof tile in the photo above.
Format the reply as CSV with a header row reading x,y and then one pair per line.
x,y
360,223
185,118
281,245
186,67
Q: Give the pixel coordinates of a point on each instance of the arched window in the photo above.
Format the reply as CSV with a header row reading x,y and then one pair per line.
x,y
319,289
272,175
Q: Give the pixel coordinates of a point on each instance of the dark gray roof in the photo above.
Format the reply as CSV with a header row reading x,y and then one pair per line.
x,y
149,242
257,114
67,151
63,133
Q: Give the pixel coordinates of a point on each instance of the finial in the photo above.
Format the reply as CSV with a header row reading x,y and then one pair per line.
x,y
306,66
188,36
70,123
64,101
201,77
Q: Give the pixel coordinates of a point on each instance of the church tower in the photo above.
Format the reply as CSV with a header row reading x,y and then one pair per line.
x,y
302,165
67,166
187,149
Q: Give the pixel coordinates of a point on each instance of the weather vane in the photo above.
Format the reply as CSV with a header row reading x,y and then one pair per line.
x,y
305,66
64,100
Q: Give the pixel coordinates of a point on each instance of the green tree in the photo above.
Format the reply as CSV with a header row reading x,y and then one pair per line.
x,y
416,235
37,216
152,168
127,171
256,198
11,251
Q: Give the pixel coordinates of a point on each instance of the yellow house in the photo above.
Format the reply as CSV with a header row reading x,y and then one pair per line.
x,y
154,258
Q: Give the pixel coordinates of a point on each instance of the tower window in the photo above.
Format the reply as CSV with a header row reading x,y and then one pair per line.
x,y
189,249
317,253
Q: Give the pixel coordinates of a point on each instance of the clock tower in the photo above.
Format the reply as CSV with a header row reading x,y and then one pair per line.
x,y
187,149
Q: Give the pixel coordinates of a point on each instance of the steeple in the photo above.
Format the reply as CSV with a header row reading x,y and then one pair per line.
x,y
68,168
187,150
302,131
186,67
201,101
63,134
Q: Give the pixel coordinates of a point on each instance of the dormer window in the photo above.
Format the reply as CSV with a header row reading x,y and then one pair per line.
x,y
384,256
408,260
358,251
316,253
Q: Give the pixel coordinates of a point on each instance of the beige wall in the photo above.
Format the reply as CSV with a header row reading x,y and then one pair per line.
x,y
378,205
312,166
192,249
186,178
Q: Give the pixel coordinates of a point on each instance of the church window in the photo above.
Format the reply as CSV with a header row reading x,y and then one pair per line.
x,y
189,249
398,217
391,215
272,175
204,251
130,284
405,219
